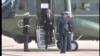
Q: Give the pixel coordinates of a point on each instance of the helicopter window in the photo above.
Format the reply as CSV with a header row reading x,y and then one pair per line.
x,y
26,5
85,6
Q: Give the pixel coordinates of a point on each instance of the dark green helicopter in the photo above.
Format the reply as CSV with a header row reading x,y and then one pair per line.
x,y
85,17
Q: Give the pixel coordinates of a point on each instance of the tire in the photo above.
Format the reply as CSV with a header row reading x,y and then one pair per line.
x,y
72,43
74,46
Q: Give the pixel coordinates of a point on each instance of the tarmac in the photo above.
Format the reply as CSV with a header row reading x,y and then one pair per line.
x,y
12,48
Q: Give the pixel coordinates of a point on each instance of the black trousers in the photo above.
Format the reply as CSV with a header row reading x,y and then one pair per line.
x,y
64,42
69,42
48,37
26,39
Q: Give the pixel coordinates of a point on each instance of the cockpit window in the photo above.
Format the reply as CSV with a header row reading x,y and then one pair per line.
x,y
85,6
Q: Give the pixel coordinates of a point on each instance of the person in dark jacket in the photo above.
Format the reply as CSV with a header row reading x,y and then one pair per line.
x,y
26,30
70,31
48,26
64,26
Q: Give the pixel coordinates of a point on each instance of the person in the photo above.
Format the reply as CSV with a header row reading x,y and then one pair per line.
x,y
48,26
26,30
70,31
64,26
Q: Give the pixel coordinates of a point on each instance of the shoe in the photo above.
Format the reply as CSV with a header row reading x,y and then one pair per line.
x,y
62,52
26,50
68,50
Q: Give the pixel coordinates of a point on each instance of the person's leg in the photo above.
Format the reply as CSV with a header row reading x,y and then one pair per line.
x,y
65,42
63,48
69,42
46,39
50,36
26,42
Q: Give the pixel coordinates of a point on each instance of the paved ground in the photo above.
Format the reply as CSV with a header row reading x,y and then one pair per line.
x,y
11,48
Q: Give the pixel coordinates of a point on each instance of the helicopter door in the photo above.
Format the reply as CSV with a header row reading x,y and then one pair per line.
x,y
44,5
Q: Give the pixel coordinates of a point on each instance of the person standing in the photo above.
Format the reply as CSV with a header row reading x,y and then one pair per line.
x,y
70,31
26,30
64,31
48,27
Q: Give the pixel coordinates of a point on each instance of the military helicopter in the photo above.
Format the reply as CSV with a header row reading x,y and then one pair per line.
x,y
85,18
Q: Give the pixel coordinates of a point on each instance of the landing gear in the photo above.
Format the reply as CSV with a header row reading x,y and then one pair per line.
x,y
74,45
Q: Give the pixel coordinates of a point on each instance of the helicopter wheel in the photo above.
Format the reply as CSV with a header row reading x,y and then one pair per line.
x,y
74,45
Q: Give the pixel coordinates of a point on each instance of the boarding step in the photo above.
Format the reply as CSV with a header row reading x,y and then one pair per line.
x,y
41,39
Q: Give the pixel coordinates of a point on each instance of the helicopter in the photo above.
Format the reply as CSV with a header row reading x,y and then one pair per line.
x,y
85,25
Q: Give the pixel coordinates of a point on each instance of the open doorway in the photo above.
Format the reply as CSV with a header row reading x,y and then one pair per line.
x,y
46,1
41,12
